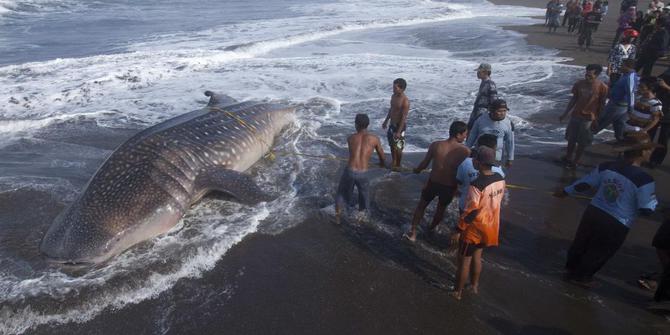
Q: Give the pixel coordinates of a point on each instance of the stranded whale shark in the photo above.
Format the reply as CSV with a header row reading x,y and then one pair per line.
x,y
147,184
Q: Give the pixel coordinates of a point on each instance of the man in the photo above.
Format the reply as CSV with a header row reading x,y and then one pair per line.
x,y
361,144
446,156
588,99
467,173
662,132
624,191
487,93
654,48
589,25
398,116
621,102
496,123
479,224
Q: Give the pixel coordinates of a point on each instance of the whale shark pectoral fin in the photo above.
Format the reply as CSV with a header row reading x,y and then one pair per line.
x,y
239,185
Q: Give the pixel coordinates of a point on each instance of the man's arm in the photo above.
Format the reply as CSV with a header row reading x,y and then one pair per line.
x,y
493,91
509,144
646,198
404,109
473,134
388,116
630,92
426,160
380,152
571,105
591,180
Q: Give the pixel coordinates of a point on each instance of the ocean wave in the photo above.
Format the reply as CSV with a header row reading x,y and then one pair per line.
x,y
31,7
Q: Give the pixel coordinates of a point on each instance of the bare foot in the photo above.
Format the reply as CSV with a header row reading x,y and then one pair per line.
x,y
474,289
456,294
410,237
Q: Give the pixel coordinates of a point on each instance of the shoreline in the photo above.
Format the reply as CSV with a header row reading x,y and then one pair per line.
x,y
566,43
318,277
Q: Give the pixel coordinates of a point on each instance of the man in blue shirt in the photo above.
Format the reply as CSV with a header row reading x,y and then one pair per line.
x,y
624,191
622,100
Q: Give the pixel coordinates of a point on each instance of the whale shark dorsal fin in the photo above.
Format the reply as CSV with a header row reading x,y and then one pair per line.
x,y
239,185
219,100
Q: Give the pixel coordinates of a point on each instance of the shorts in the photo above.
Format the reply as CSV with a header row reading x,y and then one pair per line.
x,y
345,190
466,249
662,237
433,189
579,131
398,143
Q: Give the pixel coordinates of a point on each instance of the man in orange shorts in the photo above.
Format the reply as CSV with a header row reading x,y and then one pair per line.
x,y
480,221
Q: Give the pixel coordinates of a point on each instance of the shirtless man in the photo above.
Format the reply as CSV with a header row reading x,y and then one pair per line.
x,y
398,116
446,155
361,145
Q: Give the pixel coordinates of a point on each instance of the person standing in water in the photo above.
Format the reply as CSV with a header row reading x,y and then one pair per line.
x,y
361,144
446,156
486,94
397,114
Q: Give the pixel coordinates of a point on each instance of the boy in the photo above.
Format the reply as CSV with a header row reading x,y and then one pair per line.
x,y
446,155
588,100
647,111
467,173
479,224
398,116
361,144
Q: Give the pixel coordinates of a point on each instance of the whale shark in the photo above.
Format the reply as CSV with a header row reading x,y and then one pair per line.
x,y
150,181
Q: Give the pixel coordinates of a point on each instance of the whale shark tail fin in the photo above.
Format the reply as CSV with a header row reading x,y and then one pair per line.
x,y
219,100
236,184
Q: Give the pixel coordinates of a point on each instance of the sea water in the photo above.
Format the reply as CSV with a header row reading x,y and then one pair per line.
x,y
77,78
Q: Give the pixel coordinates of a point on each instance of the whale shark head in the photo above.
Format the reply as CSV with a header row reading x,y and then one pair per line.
x,y
89,234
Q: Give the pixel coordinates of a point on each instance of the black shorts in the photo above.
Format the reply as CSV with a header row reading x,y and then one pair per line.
x,y
662,236
444,192
466,249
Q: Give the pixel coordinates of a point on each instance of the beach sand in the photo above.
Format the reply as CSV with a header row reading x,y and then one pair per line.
x,y
321,278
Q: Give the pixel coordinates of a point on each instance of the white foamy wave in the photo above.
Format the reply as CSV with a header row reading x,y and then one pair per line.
x,y
32,7
209,238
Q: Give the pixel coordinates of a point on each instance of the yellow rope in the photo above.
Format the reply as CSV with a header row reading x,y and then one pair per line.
x,y
272,156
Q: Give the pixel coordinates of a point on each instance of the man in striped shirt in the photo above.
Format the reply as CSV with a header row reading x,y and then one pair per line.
x,y
648,110
624,191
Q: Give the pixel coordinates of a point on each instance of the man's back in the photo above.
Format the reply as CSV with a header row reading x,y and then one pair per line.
x,y
361,146
447,156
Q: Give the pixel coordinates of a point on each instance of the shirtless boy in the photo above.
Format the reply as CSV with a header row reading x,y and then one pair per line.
x,y
361,145
398,116
446,155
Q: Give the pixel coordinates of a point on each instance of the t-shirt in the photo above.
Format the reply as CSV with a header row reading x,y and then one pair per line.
x,y
623,91
590,99
623,189
640,118
480,221
503,130
465,175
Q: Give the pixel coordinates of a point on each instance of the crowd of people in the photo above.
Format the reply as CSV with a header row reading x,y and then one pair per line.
x,y
471,164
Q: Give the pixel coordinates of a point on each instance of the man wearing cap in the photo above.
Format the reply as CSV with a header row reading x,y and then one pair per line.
x,y
496,123
487,93
588,100
624,191
479,223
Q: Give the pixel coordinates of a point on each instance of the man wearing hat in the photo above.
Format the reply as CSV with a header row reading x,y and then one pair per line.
x,y
496,123
487,93
624,191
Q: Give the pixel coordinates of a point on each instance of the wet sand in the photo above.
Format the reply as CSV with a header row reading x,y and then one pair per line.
x,y
321,278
